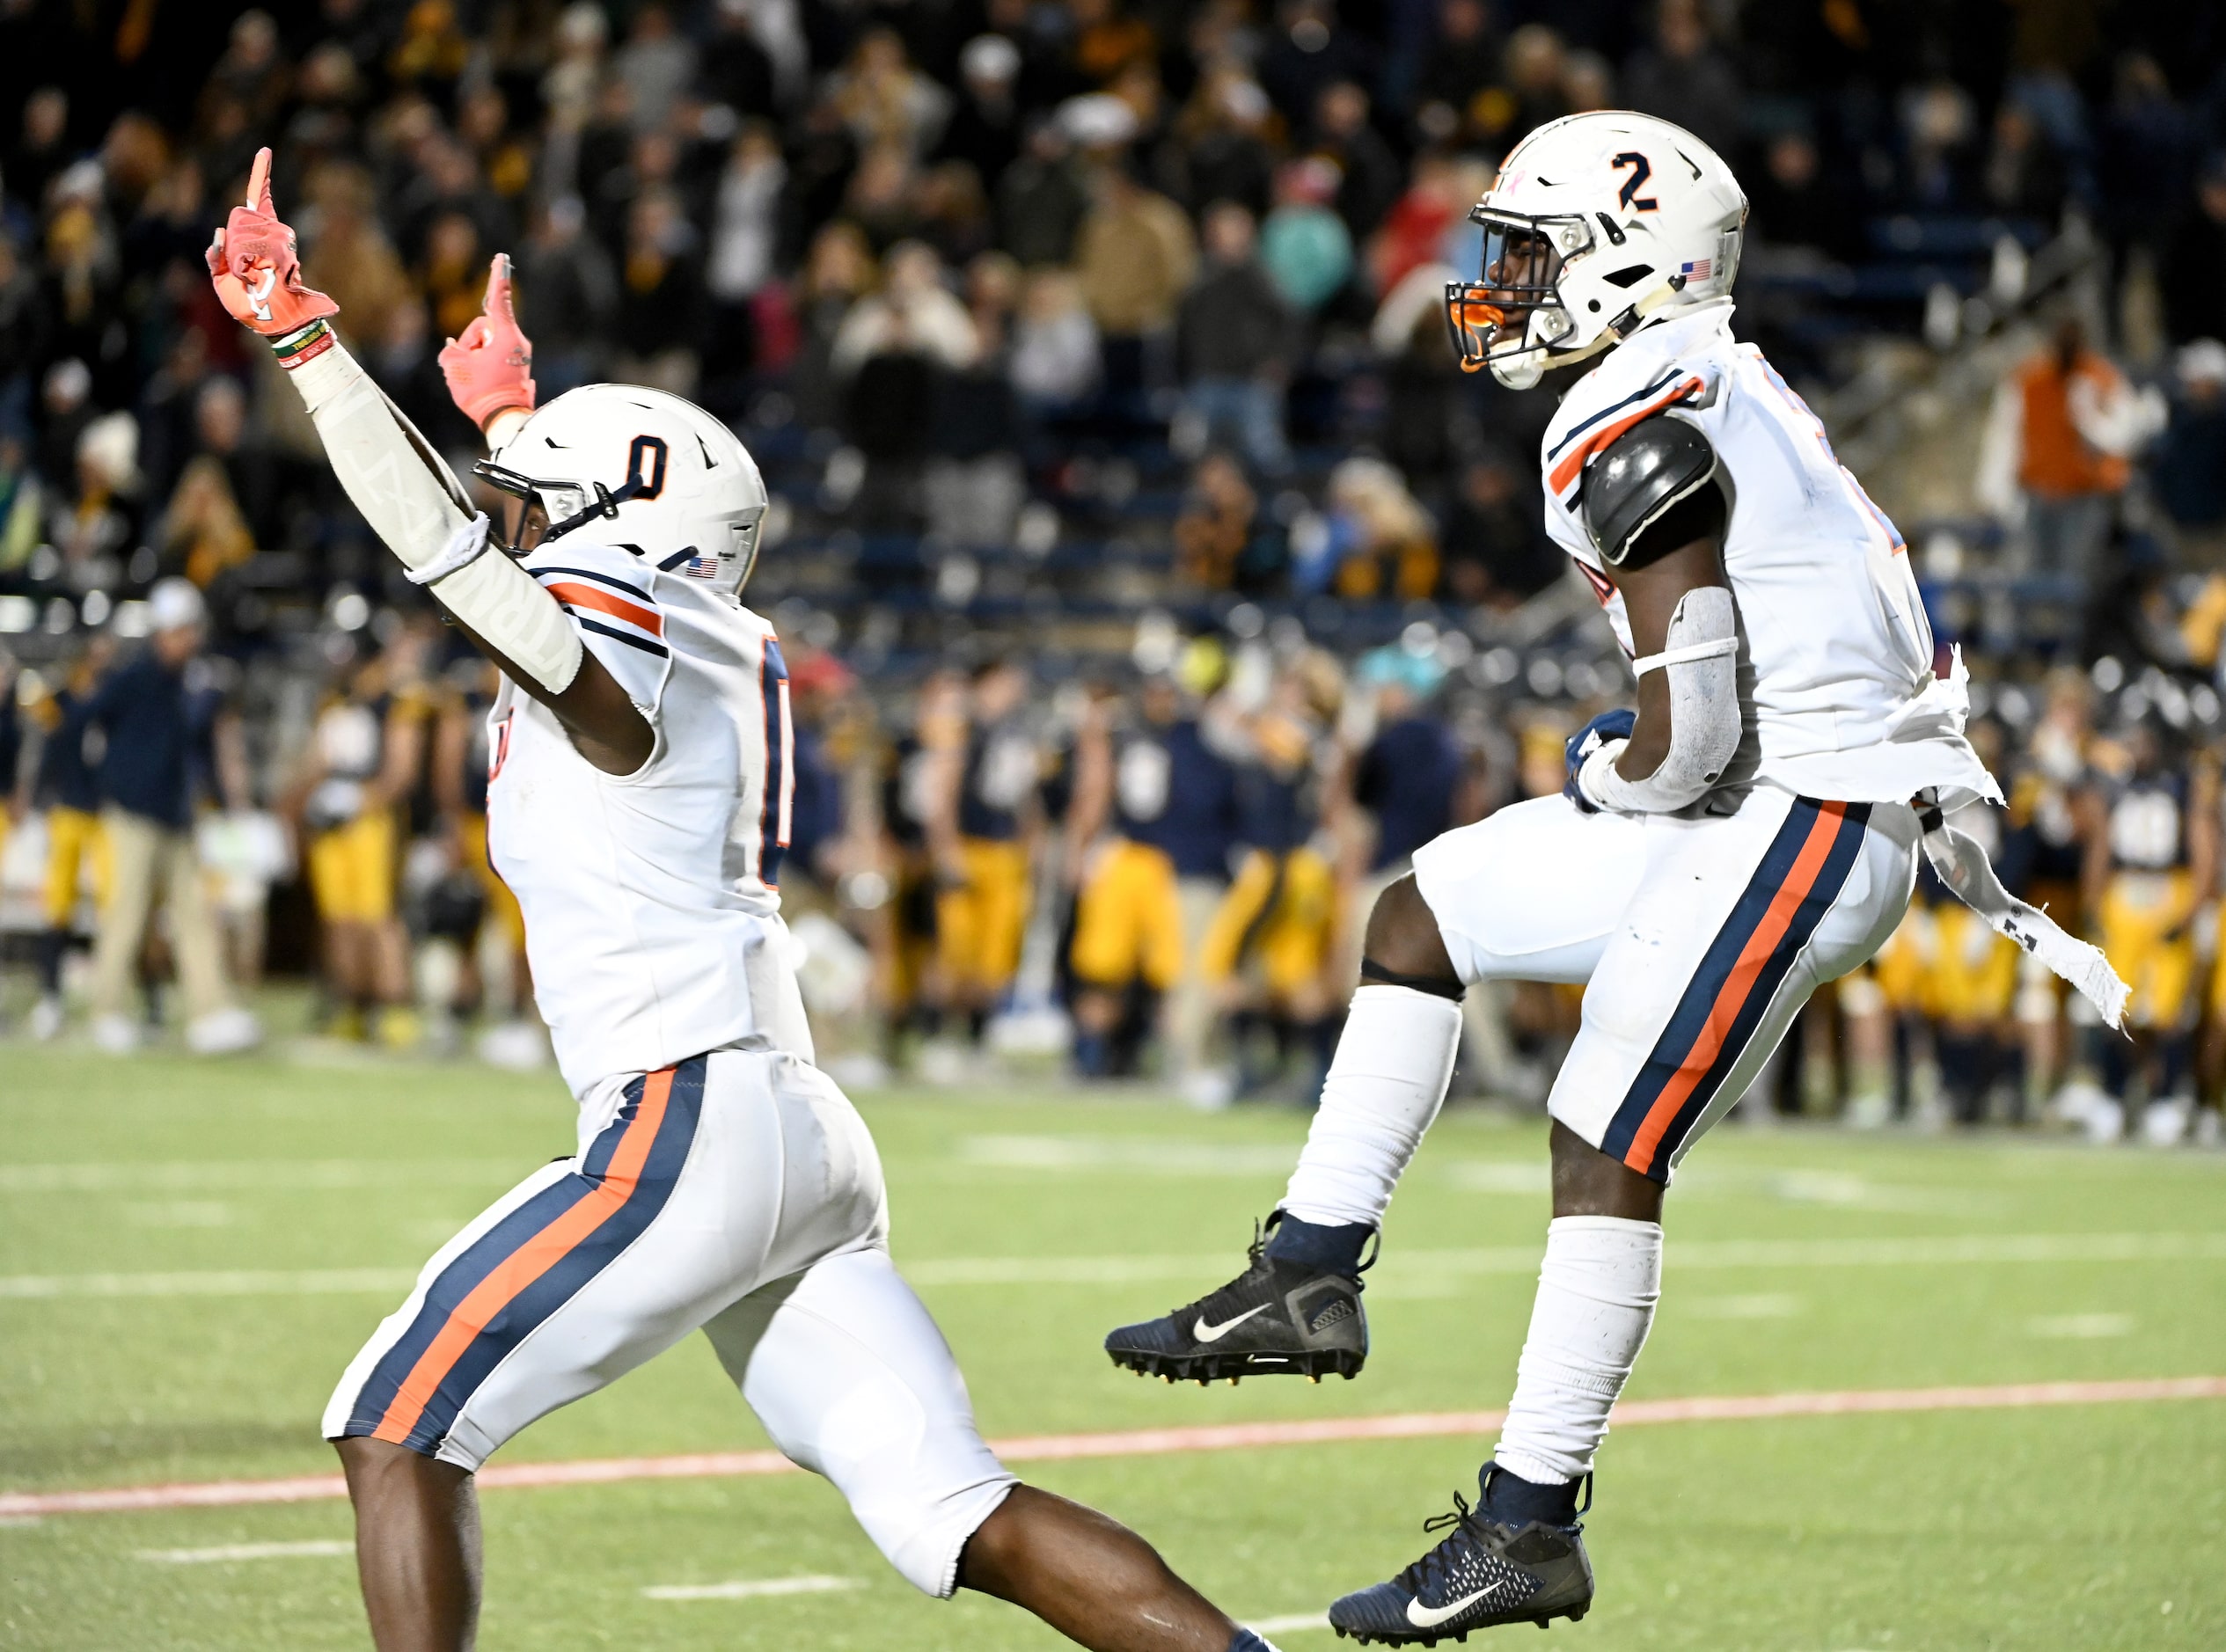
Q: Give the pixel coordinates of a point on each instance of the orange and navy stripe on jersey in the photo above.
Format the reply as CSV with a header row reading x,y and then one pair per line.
x,y
609,606
1801,875
1567,466
532,1262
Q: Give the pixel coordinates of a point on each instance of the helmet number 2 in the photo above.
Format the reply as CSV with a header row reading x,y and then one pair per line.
x,y
645,466
1641,169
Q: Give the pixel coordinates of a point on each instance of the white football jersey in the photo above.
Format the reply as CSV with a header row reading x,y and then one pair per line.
x,y
651,900
1837,684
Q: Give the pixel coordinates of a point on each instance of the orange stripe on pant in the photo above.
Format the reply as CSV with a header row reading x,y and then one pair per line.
x,y
533,1259
1731,998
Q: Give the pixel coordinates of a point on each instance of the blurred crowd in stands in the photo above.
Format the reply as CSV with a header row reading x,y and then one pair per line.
x,y
1154,582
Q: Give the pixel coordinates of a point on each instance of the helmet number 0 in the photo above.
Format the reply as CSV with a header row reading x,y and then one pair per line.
x,y
1641,169
645,466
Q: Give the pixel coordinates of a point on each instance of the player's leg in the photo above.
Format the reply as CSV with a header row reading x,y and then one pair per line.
x,y
1531,894
134,844
592,1265
1738,920
69,836
417,1545
1159,917
848,1373
1102,954
959,938
1298,954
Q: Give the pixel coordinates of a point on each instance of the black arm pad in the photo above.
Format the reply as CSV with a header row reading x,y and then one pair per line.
x,y
1637,478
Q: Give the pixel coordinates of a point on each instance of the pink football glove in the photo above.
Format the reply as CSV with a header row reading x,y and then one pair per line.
x,y
255,267
490,368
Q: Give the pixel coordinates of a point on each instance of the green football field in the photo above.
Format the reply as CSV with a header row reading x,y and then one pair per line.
x,y
189,1255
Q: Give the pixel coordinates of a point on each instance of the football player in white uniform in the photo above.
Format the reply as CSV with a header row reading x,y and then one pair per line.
x,y
1748,834
639,806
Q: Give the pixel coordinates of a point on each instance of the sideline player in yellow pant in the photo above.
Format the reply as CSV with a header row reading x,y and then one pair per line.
x,y
2150,830
65,786
982,829
365,753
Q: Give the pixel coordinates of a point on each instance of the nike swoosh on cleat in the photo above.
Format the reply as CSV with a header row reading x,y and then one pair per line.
x,y
1430,1616
1205,1333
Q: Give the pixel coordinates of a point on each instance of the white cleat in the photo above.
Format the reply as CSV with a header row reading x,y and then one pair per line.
x,y
944,1065
47,1017
115,1035
2209,1128
2105,1123
515,1047
1872,1110
2078,1102
2164,1123
1209,1090
224,1033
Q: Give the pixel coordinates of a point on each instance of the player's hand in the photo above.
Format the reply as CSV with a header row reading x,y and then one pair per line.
x,y
1608,725
489,369
256,268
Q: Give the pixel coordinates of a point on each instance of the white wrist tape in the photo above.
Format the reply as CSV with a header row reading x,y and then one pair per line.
x,y
1701,656
466,546
417,509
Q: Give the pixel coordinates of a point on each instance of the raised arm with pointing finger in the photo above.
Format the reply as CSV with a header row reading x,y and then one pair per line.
x,y
410,497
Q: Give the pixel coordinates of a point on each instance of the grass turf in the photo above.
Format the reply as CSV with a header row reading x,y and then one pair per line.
x,y
2057,1529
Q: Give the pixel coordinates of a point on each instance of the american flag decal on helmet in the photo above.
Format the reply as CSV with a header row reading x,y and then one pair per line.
x,y
1698,270
701,567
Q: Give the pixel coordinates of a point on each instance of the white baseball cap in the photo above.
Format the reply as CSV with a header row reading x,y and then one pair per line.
x,y
1097,119
990,57
2201,362
174,604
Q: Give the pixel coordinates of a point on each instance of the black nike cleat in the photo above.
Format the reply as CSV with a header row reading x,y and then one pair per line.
x,y
1487,1571
1278,1317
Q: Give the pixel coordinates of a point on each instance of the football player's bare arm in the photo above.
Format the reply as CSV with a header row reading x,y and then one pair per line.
x,y
2091,815
451,743
1093,801
606,727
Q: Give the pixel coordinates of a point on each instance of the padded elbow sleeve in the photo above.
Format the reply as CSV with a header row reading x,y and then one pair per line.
x,y
418,510
1700,653
406,496
508,609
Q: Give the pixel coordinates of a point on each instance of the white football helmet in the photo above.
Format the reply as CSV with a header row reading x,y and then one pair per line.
x,y
1596,223
674,485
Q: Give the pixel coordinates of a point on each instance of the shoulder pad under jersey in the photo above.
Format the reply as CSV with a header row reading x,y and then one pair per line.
x,y
1632,481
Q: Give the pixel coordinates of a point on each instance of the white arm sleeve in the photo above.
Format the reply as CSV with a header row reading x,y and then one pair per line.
x,y
1700,654
417,509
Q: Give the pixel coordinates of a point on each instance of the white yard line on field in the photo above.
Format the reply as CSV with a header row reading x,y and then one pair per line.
x,y
1297,1623
753,1588
303,1175
1406,1273
1407,1269
314,1548
247,1282
1048,1448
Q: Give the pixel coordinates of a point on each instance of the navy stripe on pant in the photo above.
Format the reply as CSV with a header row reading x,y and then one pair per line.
x,y
1694,1009
532,1305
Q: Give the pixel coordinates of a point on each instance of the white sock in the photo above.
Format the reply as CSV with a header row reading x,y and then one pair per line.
x,y
1596,1294
1386,1084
